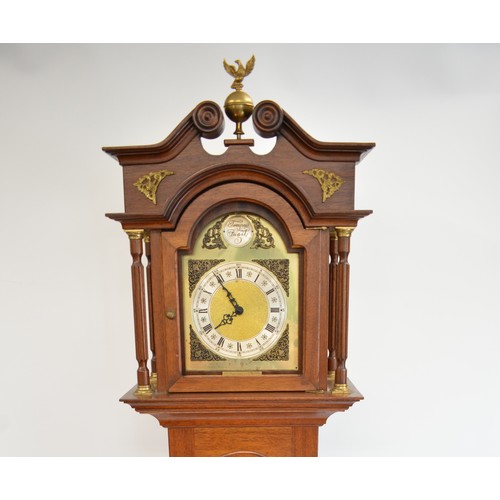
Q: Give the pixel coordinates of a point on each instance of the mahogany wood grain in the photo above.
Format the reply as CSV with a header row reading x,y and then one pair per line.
x,y
266,408
285,441
152,221
242,424
160,322
334,257
282,170
181,442
190,128
342,309
147,251
139,303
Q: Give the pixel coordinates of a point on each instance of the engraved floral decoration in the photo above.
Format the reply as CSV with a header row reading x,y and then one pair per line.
x,y
280,352
197,268
212,238
280,268
148,184
263,238
329,181
198,351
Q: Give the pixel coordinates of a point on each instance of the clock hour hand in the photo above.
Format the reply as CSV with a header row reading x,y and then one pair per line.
x,y
227,319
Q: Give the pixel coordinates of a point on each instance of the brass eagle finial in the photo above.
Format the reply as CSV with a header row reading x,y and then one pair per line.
x,y
240,72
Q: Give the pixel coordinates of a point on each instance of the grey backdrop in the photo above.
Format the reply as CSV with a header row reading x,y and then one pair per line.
x,y
424,327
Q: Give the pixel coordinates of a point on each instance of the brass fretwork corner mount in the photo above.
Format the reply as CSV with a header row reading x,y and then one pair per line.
x,y
329,181
148,184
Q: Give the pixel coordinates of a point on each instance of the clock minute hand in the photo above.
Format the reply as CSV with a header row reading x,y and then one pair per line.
x,y
237,308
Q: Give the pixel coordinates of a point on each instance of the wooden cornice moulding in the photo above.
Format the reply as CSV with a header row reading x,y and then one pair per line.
x,y
130,221
270,120
259,409
206,120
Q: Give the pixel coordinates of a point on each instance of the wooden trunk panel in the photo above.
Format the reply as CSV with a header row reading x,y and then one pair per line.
x,y
291,441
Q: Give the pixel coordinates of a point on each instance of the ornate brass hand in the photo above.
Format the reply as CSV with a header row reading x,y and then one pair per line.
x,y
227,319
237,308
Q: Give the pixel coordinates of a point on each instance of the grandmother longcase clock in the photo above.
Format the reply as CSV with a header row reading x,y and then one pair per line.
x,y
240,280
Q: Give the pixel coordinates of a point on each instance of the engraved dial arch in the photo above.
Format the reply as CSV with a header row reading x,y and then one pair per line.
x,y
239,310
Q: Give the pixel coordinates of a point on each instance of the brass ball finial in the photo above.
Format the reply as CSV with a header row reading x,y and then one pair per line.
x,y
239,105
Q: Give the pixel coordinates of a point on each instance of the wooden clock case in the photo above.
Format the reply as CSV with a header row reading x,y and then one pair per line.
x,y
306,188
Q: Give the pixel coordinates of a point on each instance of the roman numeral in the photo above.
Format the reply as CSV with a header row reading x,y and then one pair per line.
x,y
239,272
255,280
270,328
270,291
273,309
204,311
207,328
221,342
238,346
220,279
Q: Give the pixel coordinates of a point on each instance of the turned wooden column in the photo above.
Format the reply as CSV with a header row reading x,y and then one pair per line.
x,y
147,249
334,258
342,310
139,303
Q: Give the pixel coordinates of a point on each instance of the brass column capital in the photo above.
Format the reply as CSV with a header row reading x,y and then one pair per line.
x,y
135,234
344,232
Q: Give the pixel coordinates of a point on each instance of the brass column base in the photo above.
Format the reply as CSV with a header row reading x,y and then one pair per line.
x,y
143,390
340,389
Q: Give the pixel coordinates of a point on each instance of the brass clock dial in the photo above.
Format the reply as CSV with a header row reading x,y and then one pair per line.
x,y
239,309
240,298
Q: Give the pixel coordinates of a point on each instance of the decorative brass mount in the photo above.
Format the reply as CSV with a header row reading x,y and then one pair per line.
x,y
329,181
148,184
239,105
